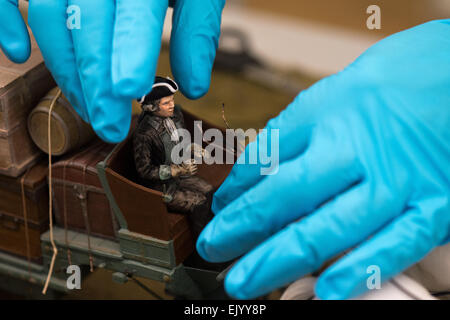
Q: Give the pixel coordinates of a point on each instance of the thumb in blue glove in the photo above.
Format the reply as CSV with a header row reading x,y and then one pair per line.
x,y
14,40
364,166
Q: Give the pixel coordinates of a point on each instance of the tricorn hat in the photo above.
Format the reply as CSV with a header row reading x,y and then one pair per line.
x,y
162,87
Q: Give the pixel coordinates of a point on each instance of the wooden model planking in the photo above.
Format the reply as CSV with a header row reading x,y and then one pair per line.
x,y
13,220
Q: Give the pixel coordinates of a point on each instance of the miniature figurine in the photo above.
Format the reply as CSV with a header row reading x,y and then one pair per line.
x,y
153,140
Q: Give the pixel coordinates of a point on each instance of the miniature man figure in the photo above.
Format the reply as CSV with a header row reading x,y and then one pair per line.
x,y
154,138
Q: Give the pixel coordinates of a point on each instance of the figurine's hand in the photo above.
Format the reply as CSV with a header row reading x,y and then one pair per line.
x,y
14,40
364,163
190,167
104,53
185,169
176,170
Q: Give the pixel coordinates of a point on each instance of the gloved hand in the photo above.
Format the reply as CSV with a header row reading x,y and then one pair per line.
x,y
112,57
364,165
14,40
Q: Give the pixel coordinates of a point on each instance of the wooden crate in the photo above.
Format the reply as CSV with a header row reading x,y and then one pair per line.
x,y
79,200
13,239
21,88
17,151
12,215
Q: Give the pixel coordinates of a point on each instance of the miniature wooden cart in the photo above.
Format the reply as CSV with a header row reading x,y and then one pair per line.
x,y
151,242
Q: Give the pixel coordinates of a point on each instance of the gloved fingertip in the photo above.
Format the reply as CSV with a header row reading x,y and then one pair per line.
x,y
205,248
193,44
111,133
111,118
195,86
235,282
325,291
217,204
14,40
18,51
136,45
329,287
202,244
192,70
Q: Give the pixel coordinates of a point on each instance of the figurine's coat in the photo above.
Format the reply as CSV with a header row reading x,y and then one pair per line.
x,y
152,148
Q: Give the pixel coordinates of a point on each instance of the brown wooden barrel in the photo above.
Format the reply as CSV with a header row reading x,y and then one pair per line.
x,y
68,130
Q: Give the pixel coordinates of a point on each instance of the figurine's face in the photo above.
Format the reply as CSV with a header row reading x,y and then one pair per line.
x,y
166,107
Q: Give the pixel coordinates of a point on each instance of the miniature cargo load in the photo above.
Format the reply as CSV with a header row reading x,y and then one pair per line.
x,y
17,151
68,130
20,229
79,200
21,88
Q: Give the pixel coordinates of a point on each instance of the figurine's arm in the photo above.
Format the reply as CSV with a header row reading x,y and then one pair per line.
x,y
142,145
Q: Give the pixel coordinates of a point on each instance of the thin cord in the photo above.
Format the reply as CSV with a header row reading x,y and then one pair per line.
x,y
86,220
55,250
25,218
69,254
143,286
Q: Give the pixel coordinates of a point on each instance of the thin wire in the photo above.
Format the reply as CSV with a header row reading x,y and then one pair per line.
x,y
66,238
240,144
143,286
223,116
50,209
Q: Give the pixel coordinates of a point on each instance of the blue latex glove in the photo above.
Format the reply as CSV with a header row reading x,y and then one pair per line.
x,y
373,141
112,58
14,40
